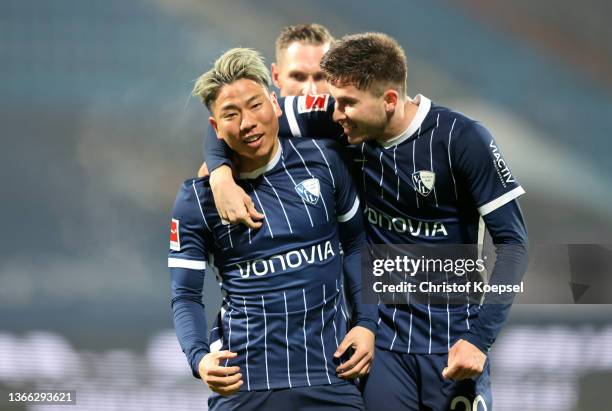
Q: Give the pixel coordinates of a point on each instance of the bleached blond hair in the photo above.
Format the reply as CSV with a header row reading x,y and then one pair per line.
x,y
235,64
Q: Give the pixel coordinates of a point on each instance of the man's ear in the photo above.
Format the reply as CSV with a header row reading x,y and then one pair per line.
x,y
213,123
275,75
277,109
390,98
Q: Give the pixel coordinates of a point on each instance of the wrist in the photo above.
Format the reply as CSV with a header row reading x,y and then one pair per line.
x,y
220,176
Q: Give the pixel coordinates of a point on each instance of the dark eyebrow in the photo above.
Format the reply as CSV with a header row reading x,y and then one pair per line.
x,y
343,99
229,107
254,97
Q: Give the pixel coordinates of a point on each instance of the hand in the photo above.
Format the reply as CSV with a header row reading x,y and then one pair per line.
x,y
222,380
465,360
233,204
362,341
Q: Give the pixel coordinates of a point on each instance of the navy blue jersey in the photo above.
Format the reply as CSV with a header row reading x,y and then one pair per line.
x,y
283,308
433,184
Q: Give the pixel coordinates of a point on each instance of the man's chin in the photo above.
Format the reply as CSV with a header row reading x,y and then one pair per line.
x,y
355,139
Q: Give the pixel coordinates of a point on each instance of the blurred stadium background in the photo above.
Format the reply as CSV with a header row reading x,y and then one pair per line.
x,y
98,131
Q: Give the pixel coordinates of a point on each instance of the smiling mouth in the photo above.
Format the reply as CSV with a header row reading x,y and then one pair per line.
x,y
252,139
346,126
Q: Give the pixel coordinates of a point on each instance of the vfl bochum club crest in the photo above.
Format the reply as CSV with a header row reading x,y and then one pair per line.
x,y
423,181
309,190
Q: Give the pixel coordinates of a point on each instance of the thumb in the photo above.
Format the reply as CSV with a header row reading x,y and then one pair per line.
x,y
344,345
445,372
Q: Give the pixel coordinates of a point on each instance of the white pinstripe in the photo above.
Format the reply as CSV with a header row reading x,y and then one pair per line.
x,y
395,170
467,308
416,193
301,158
429,312
229,233
336,313
229,340
342,308
382,174
450,164
262,210
199,205
263,307
287,337
447,315
280,202
410,310
431,155
394,325
363,162
322,342
328,167
304,329
247,344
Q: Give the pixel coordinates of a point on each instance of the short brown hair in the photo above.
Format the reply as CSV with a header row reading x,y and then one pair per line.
x,y
311,33
369,61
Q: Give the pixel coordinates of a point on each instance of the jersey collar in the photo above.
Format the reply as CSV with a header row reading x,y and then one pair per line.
x,y
250,175
424,105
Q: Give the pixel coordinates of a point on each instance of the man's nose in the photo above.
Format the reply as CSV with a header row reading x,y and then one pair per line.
x,y
247,122
310,87
338,113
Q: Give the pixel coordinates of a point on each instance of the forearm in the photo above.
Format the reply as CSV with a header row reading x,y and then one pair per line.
x,y
352,237
191,330
365,315
188,315
216,152
509,236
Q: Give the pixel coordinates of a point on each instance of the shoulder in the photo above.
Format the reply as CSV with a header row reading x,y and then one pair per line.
x,y
190,197
462,130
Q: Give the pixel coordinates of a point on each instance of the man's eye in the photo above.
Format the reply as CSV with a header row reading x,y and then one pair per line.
x,y
298,77
229,116
256,105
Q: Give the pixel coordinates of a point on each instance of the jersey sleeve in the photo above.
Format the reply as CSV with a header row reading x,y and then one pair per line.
x,y
216,151
482,168
309,116
352,238
189,247
507,228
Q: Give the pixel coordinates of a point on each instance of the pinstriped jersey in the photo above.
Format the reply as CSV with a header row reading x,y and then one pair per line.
x,y
283,308
429,185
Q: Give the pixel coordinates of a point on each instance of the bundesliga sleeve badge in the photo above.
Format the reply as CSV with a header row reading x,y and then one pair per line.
x,y
310,102
175,241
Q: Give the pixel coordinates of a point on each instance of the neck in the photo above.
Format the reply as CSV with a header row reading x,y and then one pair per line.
x,y
400,120
247,165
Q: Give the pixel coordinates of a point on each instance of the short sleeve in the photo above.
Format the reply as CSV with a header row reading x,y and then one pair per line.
x,y
189,234
347,200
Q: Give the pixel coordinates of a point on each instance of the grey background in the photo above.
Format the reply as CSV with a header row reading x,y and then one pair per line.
x,y
98,131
